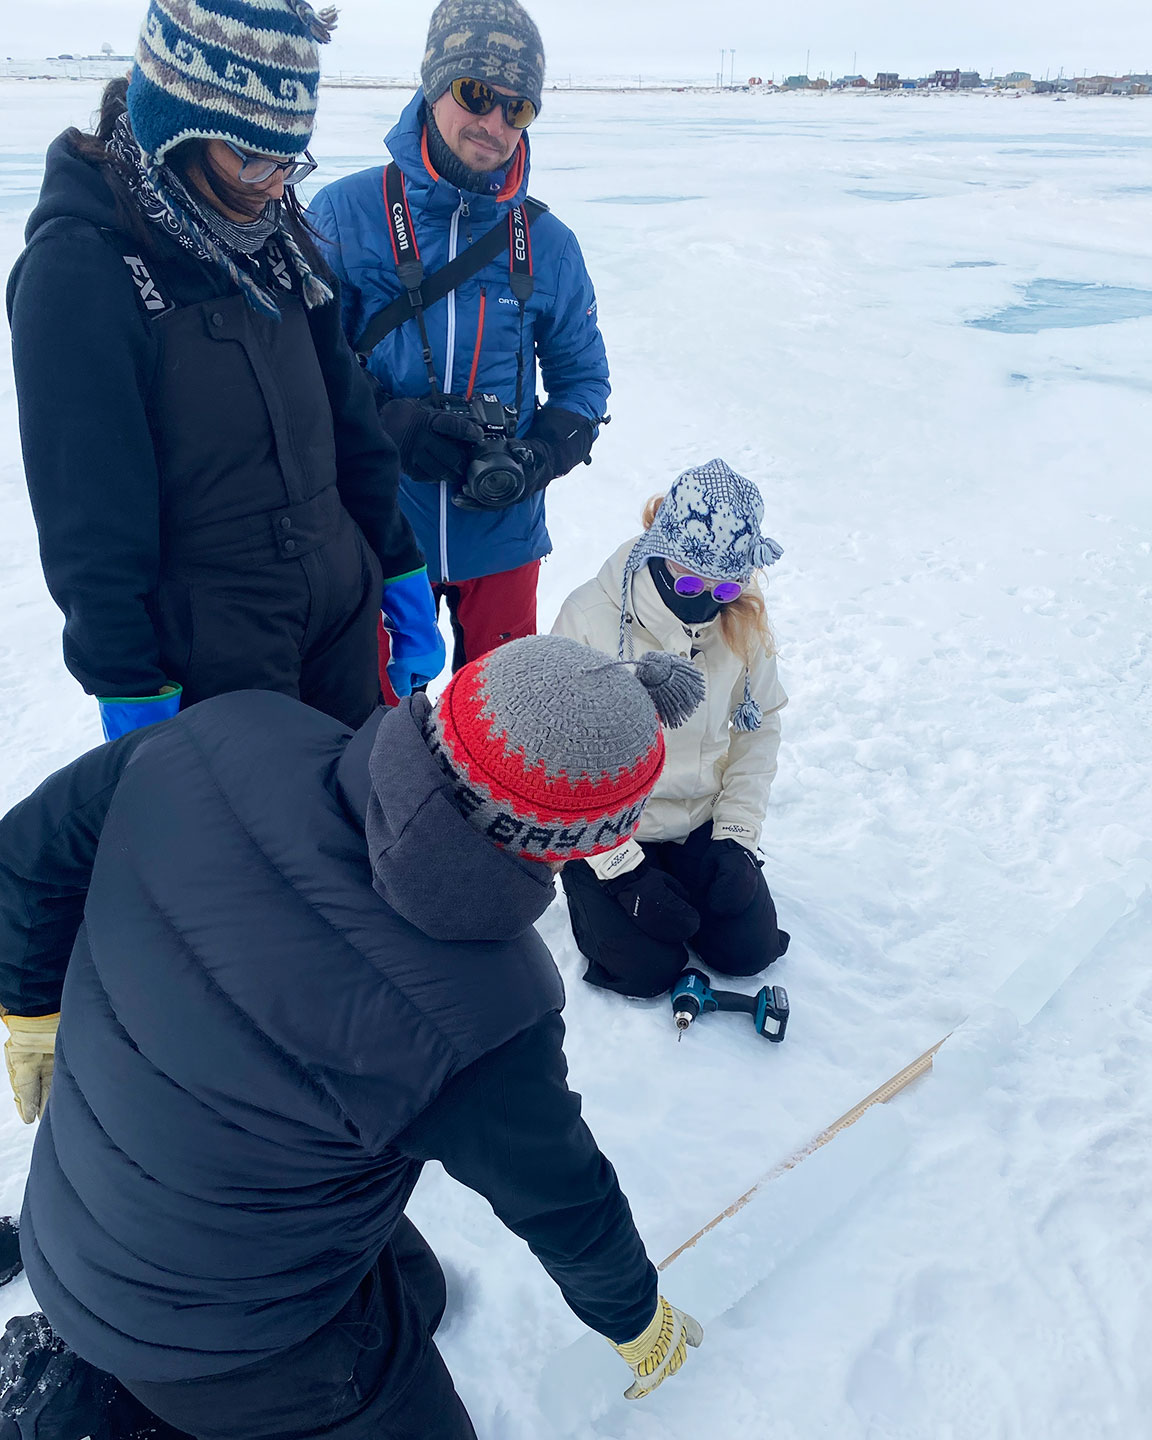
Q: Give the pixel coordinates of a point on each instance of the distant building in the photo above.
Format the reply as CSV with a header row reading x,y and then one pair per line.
x,y
1096,85
1017,77
946,79
970,80
796,82
887,80
820,84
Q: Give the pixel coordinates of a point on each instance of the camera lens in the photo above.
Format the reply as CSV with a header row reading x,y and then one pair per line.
x,y
498,487
495,479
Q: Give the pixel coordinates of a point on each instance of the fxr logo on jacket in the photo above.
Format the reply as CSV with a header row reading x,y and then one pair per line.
x,y
150,296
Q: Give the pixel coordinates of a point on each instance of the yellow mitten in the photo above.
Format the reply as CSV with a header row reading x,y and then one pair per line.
x,y
30,1052
660,1349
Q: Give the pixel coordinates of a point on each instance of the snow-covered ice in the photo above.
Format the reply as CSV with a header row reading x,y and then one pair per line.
x,y
924,327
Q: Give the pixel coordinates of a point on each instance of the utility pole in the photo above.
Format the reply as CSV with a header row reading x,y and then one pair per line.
x,y
720,86
732,69
807,63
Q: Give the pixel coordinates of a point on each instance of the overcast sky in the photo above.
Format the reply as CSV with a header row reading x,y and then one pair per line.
x,y
684,37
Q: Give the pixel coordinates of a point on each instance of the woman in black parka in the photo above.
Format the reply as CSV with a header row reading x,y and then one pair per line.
x,y
215,500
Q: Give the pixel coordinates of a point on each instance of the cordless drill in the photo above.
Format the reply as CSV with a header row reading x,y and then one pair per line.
x,y
693,995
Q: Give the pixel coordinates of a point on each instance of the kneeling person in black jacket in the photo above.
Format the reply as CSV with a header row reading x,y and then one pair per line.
x,y
291,964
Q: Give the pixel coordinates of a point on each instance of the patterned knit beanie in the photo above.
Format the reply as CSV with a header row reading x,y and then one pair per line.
x,y
241,70
493,40
709,522
553,748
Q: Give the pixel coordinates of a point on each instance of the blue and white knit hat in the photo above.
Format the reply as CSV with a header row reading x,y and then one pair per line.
x,y
241,70
709,522
247,71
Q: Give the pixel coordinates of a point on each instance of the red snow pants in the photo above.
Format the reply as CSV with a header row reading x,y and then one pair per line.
x,y
485,613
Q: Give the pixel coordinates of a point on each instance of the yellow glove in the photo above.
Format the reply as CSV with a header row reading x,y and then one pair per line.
x,y
30,1052
660,1349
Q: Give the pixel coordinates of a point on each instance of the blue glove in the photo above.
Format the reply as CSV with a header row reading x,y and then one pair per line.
x,y
120,717
417,646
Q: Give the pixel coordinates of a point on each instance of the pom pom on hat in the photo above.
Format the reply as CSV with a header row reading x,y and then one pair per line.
x,y
674,683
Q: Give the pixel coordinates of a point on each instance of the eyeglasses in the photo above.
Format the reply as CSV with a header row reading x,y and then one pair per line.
x,y
480,99
255,169
723,593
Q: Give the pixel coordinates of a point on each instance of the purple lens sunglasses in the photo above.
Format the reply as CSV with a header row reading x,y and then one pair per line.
x,y
723,593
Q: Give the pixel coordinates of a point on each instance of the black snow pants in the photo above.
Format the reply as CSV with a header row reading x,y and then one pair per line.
x,y
623,958
373,1372
287,600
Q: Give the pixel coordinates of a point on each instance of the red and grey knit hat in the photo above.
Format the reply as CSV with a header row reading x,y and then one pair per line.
x,y
553,748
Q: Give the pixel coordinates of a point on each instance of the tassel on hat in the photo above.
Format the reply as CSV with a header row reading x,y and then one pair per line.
x,y
314,290
748,715
318,23
765,552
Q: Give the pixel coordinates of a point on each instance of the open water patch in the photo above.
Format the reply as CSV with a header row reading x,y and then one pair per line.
x,y
644,199
974,265
1067,305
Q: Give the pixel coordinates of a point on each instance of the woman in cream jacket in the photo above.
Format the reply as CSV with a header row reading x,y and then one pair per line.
x,y
691,874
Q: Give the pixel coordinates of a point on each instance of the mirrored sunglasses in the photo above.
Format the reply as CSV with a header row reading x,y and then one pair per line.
x,y
255,169
723,593
480,99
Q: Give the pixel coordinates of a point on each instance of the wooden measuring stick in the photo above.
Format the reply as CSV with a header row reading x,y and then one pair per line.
x,y
920,1066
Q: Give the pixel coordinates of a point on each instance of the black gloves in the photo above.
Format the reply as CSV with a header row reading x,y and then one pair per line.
x,y
557,442
434,445
656,902
731,875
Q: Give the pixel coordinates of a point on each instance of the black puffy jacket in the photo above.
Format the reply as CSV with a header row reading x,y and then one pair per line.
x,y
195,468
256,1051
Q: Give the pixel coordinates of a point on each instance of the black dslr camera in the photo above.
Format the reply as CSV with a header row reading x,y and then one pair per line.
x,y
495,475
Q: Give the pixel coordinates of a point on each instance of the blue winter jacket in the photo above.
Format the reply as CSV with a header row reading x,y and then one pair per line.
x,y
560,331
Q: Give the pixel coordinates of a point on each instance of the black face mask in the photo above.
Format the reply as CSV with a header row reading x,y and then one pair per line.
x,y
688,609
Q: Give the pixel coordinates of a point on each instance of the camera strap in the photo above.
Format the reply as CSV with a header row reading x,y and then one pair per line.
x,y
521,281
420,290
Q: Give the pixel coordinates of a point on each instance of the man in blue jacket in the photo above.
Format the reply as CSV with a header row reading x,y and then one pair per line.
x,y
256,970
461,151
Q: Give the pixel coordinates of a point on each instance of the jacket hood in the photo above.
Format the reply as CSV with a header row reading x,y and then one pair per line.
x,y
405,143
72,189
428,863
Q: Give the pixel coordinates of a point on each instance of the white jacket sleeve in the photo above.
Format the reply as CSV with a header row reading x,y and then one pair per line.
x,y
738,813
573,622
